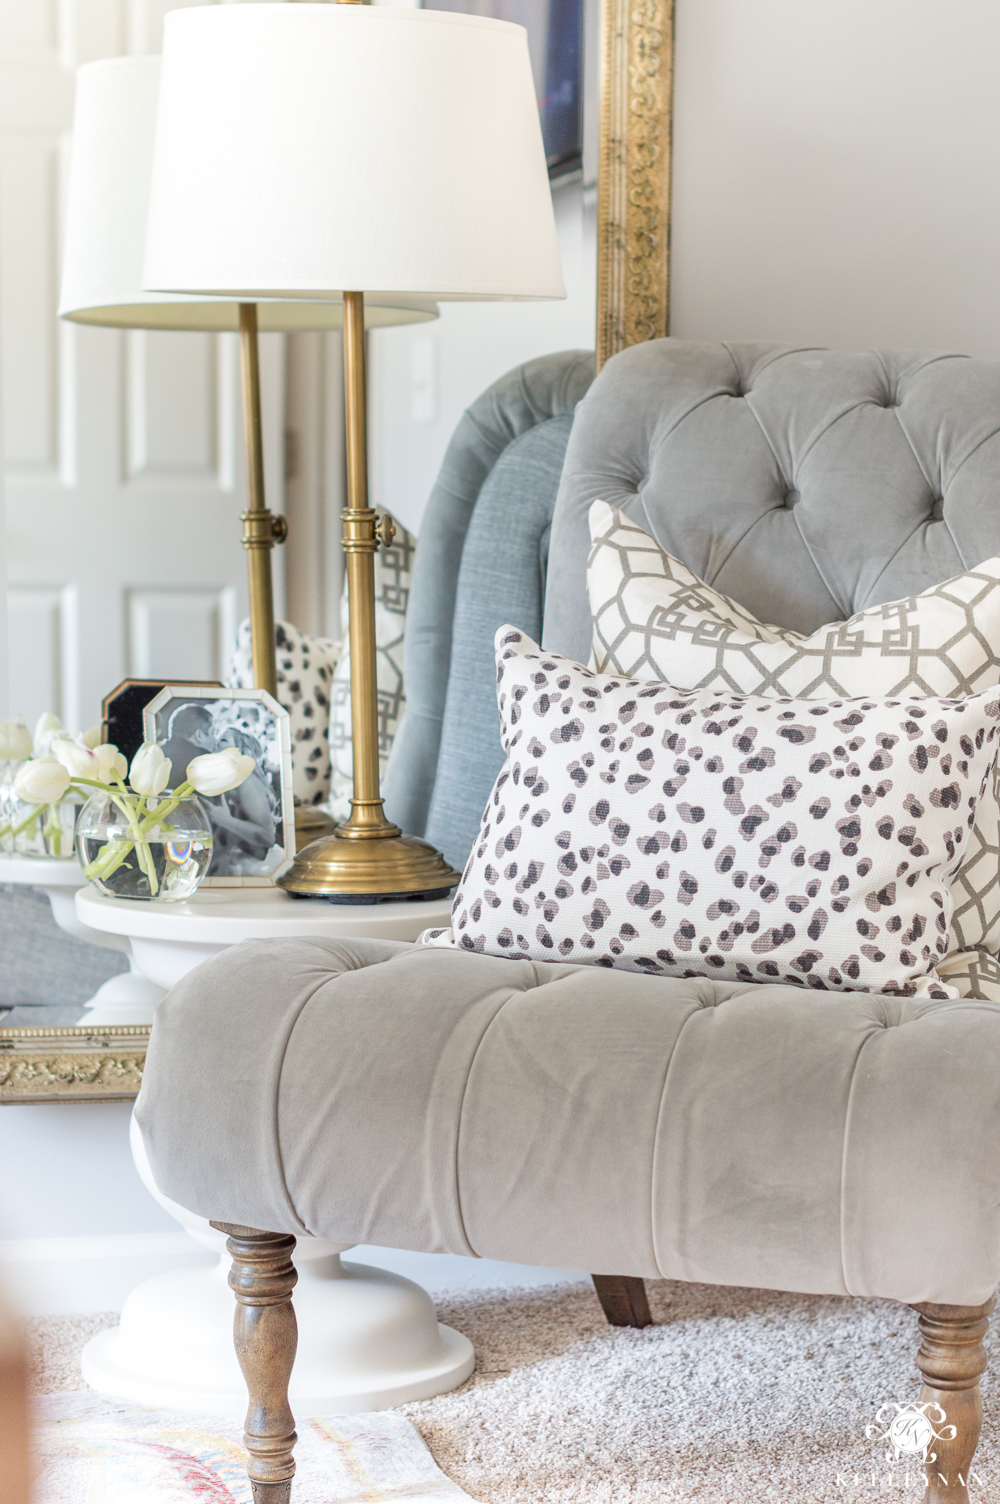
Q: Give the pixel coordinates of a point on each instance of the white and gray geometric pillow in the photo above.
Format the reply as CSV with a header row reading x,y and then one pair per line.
x,y
654,619
713,834
393,568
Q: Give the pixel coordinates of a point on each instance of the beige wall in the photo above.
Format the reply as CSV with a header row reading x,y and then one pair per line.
x,y
837,172
836,179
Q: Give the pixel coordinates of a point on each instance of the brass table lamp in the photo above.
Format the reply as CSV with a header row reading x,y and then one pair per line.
x,y
107,202
309,150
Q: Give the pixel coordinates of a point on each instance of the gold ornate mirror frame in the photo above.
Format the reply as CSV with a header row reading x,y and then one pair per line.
x,y
71,1064
633,305
633,181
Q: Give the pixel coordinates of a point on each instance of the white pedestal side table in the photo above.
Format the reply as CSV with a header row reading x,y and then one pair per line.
x,y
367,1338
128,998
169,939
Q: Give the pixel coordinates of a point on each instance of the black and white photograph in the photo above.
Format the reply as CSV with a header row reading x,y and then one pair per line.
x,y
253,826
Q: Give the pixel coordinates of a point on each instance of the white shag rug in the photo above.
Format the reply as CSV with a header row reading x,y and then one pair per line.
x,y
733,1397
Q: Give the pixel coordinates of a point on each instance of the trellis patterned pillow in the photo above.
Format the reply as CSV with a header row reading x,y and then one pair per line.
x,y
393,568
724,835
653,618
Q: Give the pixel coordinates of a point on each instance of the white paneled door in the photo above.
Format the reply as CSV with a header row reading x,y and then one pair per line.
x,y
124,450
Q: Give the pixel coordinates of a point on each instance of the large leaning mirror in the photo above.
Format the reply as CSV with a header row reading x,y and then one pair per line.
x,y
53,1050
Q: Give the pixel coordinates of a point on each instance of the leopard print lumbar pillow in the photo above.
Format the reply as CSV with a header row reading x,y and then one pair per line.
x,y
723,835
654,619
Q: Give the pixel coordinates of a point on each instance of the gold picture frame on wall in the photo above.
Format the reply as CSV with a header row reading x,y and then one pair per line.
x,y
633,305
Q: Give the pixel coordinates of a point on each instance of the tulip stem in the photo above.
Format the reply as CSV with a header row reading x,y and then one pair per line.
x,y
111,856
52,830
16,830
143,852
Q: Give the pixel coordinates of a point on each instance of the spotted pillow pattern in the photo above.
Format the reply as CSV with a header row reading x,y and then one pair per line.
x,y
305,669
654,619
723,835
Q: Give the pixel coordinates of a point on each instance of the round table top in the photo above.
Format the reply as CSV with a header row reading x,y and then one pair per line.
x,y
224,916
42,871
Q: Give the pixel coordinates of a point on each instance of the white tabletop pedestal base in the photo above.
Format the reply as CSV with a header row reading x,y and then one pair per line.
x,y
367,1338
128,998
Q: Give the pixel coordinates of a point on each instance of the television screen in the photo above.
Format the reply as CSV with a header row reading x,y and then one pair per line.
x,y
555,42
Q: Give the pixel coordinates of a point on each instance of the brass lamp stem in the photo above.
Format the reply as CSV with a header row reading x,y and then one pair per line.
x,y
261,528
360,542
366,859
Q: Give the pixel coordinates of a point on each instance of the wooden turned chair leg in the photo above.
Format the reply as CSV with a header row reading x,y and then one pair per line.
x,y
262,1279
951,1358
623,1299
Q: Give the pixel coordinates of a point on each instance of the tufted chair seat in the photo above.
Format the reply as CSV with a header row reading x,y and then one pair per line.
x,y
572,1116
584,1119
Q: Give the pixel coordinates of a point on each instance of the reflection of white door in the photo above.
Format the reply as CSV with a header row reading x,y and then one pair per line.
x,y
124,450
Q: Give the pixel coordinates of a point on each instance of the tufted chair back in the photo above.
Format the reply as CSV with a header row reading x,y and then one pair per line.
x,y
480,561
805,483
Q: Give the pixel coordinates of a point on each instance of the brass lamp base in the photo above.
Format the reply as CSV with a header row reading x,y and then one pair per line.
x,y
348,869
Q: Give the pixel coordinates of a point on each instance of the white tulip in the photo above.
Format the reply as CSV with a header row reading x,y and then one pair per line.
x,y
111,765
93,735
47,728
218,772
15,741
150,771
76,758
42,781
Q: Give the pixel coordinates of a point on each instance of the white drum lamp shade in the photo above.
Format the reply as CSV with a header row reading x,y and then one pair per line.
x,y
112,154
308,149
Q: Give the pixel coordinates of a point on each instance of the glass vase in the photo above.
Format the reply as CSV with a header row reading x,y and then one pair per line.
x,y
44,830
156,848
8,772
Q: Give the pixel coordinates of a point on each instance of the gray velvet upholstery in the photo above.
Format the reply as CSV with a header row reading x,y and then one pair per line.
x,y
579,1118
533,393
805,483
565,1115
43,967
501,579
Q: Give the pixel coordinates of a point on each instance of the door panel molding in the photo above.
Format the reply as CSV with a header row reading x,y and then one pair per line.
x,y
44,625
179,632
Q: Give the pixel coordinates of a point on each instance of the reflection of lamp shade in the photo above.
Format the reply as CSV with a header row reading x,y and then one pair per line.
x,y
113,131
305,149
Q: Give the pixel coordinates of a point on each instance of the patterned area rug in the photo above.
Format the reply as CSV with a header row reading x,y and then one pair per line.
x,y
733,1397
96,1451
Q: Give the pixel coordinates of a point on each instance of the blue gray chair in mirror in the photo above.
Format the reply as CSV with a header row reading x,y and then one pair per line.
x,y
481,561
575,1117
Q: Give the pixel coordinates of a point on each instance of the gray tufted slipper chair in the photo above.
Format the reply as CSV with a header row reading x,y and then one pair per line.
x,y
549,1113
